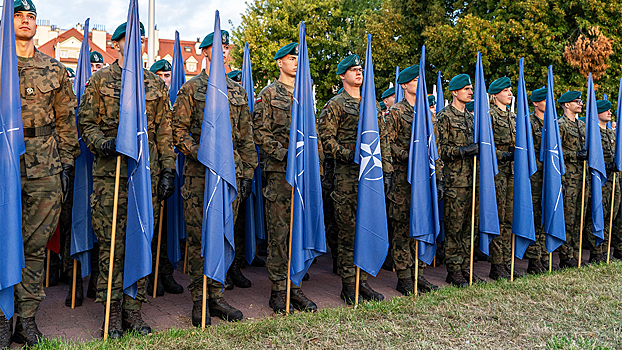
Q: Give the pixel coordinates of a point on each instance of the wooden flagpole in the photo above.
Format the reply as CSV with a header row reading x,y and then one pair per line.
x,y
472,222
73,284
613,196
157,262
112,244
289,260
582,206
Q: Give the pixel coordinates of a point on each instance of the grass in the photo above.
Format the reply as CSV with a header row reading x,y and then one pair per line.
x,y
573,309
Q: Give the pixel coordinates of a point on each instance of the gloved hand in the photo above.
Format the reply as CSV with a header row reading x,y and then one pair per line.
x,y
582,155
246,186
611,166
166,185
388,183
470,150
351,157
507,157
109,148
66,177
440,190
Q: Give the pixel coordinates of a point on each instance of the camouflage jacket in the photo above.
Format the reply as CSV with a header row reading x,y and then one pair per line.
x,y
48,106
536,130
572,135
99,120
338,127
188,119
608,139
504,131
455,129
399,120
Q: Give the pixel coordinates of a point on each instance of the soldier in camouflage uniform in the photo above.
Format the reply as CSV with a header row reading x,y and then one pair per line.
x,y
455,139
48,104
271,121
98,121
572,134
187,120
337,129
388,97
97,61
504,130
399,120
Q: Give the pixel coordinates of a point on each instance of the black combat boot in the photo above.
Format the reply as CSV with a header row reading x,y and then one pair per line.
x,y
456,279
568,263
54,275
535,267
218,307
368,293
26,332
238,279
517,274
597,258
228,283
79,293
277,302
306,277
300,301
476,278
115,328
133,322
159,289
197,307
424,286
258,262
405,286
348,291
497,272
617,253
6,332
170,285
91,290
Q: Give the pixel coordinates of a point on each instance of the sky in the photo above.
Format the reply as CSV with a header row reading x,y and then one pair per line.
x,y
192,21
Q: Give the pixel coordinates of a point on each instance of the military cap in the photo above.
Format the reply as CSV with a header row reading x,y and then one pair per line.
x,y
538,95
72,74
235,75
382,105
289,49
161,66
388,92
347,63
459,81
209,39
24,5
96,57
603,106
569,96
120,31
498,85
432,100
470,106
408,74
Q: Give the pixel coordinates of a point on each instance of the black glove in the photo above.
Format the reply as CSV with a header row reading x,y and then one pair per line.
x,y
388,183
351,157
109,148
440,190
582,155
166,185
246,186
611,166
66,178
507,157
469,151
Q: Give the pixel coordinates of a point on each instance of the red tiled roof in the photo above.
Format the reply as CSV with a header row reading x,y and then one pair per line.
x,y
48,48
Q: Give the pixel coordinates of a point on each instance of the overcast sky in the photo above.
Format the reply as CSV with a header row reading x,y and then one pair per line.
x,y
191,18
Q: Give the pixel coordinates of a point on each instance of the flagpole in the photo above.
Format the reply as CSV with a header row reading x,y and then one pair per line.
x,y
157,262
512,264
356,289
582,205
434,261
186,256
472,221
550,262
416,266
73,284
47,268
613,195
204,302
112,244
289,261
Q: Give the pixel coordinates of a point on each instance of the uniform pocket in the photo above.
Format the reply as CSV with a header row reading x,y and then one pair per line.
x,y
41,158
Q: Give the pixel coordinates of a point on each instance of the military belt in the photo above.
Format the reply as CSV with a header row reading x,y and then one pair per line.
x,y
113,133
39,131
351,146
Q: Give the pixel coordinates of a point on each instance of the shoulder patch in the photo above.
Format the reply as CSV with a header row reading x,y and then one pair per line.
x,y
258,100
326,104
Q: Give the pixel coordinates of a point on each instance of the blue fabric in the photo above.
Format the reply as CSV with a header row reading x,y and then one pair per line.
x,y
618,149
523,225
399,92
11,147
596,163
132,141
371,238
440,100
553,169
488,215
82,235
216,153
303,171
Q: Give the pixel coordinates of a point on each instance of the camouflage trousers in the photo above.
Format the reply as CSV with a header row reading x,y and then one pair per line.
x,y
587,230
66,263
538,249
278,195
572,214
102,205
458,204
239,235
165,268
501,246
330,225
192,192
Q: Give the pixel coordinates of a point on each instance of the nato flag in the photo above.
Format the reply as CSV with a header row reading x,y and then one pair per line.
x,y
618,149
371,237
399,92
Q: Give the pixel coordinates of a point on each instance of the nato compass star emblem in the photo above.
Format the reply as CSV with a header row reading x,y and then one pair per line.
x,y
370,157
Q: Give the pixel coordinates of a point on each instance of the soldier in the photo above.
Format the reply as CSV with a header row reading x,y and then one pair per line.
x,y
455,139
504,130
388,97
470,106
162,68
71,74
97,61
399,120
383,107
188,118
98,122
337,127
572,134
271,120
51,139
235,75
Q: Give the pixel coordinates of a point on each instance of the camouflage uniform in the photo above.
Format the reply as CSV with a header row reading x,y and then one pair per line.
x,y
572,136
187,119
337,128
504,130
456,129
98,122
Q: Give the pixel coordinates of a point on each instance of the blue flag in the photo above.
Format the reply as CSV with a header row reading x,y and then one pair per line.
x,y
440,100
216,153
255,230
399,92
523,225
596,163
12,146
303,171
82,235
422,155
132,141
371,237
553,169
488,215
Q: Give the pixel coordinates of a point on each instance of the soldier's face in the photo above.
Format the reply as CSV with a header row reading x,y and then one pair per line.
x,y
575,106
25,23
540,106
505,96
604,116
166,76
96,66
433,109
353,76
411,86
119,46
207,52
464,95
389,101
288,65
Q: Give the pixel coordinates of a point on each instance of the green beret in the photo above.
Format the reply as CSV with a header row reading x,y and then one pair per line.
x,y
120,31
347,63
388,92
72,74
408,74
459,82
24,5
97,57
498,85
432,100
569,96
235,75
209,38
538,95
470,106
161,65
289,49
603,106
382,105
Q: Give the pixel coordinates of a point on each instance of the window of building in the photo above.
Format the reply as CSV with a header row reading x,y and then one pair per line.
x,y
188,48
191,66
63,54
